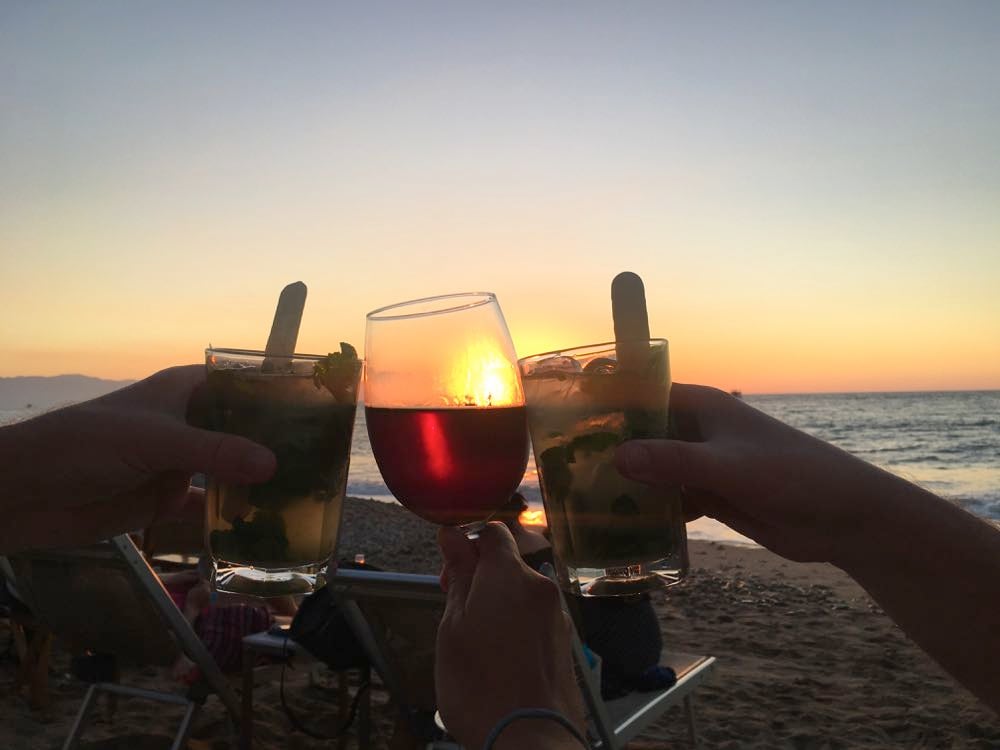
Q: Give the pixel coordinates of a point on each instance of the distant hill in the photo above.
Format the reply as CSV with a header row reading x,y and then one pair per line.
x,y
46,392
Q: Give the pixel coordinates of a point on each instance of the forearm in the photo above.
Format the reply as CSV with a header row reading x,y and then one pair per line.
x,y
21,447
935,569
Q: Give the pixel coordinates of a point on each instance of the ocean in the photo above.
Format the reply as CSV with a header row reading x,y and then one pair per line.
x,y
947,442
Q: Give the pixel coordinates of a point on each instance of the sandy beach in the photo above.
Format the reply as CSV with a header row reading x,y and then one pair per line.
x,y
805,660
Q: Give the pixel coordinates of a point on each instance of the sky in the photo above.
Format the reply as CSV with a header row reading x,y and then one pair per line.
x,y
810,191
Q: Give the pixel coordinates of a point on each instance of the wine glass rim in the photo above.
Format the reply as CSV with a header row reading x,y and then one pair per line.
x,y
480,298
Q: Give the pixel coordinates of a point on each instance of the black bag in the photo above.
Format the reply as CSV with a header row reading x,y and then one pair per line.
x,y
319,626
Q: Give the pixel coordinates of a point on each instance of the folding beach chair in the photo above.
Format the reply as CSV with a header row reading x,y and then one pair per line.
x,y
395,617
106,598
614,723
374,600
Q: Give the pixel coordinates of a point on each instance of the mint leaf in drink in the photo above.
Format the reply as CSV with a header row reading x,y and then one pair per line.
x,y
338,373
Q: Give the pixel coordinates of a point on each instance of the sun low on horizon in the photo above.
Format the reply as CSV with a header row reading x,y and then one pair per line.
x,y
808,193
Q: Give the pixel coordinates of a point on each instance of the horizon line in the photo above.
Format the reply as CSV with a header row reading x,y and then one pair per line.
x,y
732,391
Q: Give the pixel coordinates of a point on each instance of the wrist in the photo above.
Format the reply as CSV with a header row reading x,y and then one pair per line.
x,y
535,729
533,735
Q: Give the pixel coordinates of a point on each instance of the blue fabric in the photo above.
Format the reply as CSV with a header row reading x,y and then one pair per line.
x,y
656,678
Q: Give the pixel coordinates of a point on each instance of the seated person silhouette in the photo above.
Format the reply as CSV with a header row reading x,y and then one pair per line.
x,y
623,630
221,621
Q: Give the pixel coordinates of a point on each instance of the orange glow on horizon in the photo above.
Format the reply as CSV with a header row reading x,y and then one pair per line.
x,y
757,353
777,367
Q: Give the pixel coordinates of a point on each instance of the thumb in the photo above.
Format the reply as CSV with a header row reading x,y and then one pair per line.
x,y
497,546
175,446
460,561
670,462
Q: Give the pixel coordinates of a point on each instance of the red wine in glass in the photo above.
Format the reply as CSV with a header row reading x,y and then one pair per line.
x,y
450,466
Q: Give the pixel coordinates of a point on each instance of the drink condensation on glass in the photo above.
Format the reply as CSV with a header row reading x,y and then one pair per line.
x,y
274,538
611,535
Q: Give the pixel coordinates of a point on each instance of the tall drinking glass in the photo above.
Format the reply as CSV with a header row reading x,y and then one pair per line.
x,y
274,538
445,406
611,535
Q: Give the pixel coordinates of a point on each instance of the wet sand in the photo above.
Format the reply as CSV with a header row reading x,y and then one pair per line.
x,y
805,660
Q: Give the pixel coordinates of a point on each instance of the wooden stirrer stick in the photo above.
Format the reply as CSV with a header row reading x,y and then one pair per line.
x,y
285,328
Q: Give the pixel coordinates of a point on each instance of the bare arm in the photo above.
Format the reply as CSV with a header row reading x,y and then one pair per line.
x,y
933,567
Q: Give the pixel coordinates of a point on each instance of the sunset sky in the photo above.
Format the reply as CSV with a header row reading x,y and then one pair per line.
x,y
810,191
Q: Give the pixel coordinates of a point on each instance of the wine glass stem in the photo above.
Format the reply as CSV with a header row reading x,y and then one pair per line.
x,y
472,529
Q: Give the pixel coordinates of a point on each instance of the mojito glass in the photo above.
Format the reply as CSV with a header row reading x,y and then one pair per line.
x,y
612,536
274,538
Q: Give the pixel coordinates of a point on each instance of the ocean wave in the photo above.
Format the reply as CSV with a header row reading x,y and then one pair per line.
x,y
881,449
919,459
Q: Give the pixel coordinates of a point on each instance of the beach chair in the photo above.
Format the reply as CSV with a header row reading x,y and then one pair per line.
x,y
107,599
395,617
374,600
613,723
277,645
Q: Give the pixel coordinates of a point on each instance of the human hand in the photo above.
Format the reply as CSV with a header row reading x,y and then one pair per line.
x,y
117,463
796,495
809,501
503,644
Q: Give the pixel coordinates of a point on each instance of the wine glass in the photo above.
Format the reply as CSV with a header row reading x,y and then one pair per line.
x,y
445,407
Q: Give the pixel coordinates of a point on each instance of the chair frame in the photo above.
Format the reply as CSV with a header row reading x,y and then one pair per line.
x,y
613,723
139,570
281,646
349,585
620,720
